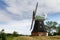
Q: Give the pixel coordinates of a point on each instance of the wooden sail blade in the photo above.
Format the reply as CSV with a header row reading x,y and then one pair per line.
x,y
31,25
36,8
32,20
33,16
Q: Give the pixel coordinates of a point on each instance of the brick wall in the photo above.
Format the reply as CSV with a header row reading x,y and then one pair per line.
x,y
39,33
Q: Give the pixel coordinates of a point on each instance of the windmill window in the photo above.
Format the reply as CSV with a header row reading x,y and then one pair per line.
x,y
40,22
40,26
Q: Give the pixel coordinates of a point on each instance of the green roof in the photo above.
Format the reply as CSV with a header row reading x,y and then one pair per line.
x,y
39,18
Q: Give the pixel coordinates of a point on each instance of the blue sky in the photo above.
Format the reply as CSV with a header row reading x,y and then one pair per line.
x,y
16,15
54,17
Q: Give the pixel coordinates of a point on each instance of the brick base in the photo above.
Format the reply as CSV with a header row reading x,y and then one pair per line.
x,y
39,33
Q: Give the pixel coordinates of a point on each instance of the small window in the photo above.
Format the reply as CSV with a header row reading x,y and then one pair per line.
x,y
40,22
40,26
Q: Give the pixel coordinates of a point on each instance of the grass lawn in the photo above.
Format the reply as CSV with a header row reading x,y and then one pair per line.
x,y
34,38
37,38
0,38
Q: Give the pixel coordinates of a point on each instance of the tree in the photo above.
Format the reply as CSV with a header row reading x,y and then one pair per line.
x,y
50,26
58,30
3,35
14,34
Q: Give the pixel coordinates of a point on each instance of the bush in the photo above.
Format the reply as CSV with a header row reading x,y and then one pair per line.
x,y
3,35
15,34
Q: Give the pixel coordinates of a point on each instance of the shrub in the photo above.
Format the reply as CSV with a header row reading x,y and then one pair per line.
x,y
15,34
3,35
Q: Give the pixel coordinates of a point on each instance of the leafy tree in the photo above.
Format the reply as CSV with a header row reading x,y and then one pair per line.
x,y
14,34
58,29
0,34
50,26
3,35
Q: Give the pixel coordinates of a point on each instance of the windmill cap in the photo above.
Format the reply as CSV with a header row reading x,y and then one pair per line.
x,y
39,18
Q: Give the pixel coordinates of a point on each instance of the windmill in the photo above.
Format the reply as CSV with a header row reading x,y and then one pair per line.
x,y
39,28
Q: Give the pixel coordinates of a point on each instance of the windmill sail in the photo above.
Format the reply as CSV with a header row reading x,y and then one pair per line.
x,y
33,16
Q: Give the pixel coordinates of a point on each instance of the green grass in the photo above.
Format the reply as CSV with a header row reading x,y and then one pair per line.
x,y
8,38
0,38
34,38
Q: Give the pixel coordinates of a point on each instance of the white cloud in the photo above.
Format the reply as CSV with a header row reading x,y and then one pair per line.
x,y
20,6
3,17
24,9
50,5
22,27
